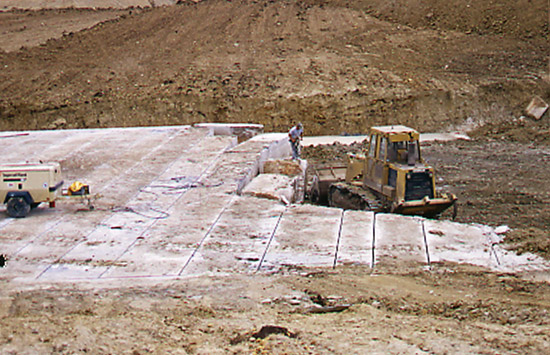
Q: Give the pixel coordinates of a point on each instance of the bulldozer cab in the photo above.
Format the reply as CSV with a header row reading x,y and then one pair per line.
x,y
393,165
390,149
402,152
394,144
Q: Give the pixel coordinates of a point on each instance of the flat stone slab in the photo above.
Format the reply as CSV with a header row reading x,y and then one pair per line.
x,y
347,140
271,186
307,235
398,239
121,164
356,242
169,246
527,263
232,129
239,239
460,243
477,245
172,207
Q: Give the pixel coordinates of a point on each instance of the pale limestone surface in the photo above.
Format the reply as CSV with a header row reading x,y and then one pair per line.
x,y
172,207
356,242
307,235
271,186
399,238
424,137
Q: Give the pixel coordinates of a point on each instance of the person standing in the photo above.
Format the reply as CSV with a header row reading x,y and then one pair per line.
x,y
294,136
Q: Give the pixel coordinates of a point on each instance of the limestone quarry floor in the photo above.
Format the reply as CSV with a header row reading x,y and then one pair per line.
x,y
171,207
174,259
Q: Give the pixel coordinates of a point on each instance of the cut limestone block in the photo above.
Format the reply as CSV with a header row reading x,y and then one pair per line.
x,y
166,247
307,235
460,243
243,130
355,244
536,108
271,186
239,239
509,261
398,239
284,167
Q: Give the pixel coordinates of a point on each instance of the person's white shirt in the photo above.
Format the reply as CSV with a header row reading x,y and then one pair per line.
x,y
295,132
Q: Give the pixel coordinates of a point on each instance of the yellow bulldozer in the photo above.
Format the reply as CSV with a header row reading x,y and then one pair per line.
x,y
388,176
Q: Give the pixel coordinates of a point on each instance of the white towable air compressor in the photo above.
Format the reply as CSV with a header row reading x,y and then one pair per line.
x,y
25,186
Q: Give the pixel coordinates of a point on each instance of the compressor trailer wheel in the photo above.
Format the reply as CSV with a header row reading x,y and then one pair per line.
x,y
18,207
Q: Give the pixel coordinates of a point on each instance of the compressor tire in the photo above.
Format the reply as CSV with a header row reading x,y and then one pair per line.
x,y
18,207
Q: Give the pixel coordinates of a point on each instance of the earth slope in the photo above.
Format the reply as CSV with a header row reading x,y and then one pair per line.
x,y
337,66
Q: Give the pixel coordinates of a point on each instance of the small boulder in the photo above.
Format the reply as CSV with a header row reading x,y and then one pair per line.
x,y
536,108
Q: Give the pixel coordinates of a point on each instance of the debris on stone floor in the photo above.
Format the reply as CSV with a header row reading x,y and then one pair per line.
x,y
263,333
287,167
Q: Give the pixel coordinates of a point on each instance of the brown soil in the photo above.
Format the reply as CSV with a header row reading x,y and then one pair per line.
x,y
499,183
338,66
90,4
463,311
330,154
27,29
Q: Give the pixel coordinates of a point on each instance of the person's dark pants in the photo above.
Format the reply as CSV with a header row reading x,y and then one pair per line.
x,y
295,148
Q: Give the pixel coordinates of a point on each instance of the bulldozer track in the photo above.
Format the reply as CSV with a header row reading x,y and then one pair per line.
x,y
348,196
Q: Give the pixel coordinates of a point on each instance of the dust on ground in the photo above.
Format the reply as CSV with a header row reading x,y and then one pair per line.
x,y
454,309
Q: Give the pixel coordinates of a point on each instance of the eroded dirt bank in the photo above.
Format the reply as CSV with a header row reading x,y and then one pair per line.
x,y
337,66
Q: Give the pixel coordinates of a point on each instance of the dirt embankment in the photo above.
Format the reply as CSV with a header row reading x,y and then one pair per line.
x,y
521,19
27,29
449,310
336,66
81,4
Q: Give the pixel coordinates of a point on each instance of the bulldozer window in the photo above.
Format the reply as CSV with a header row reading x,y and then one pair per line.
x,y
372,145
382,150
392,177
392,152
413,153
397,151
